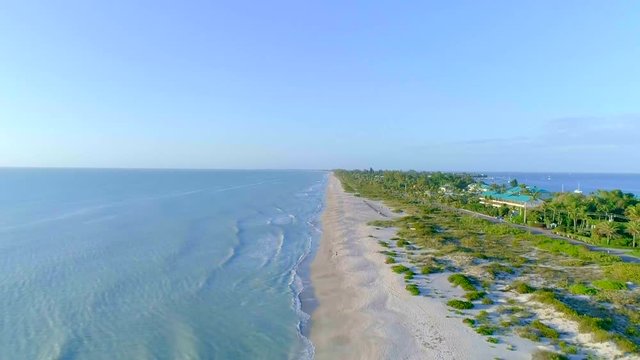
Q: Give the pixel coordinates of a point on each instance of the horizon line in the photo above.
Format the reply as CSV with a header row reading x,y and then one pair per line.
x,y
481,172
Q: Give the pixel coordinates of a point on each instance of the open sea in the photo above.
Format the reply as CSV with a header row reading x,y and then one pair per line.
x,y
155,264
557,182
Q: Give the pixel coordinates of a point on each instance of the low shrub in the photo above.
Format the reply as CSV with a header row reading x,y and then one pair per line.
x,y
582,289
400,269
413,289
460,304
383,243
402,243
547,355
495,269
469,321
409,275
487,301
576,251
527,332
568,348
482,316
475,295
545,330
463,281
624,272
587,324
390,260
429,269
605,284
493,340
382,223
521,287
625,345
486,330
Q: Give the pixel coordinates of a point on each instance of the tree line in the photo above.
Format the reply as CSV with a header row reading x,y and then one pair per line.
x,y
609,217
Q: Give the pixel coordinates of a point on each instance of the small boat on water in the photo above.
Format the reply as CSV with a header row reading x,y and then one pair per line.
x,y
578,191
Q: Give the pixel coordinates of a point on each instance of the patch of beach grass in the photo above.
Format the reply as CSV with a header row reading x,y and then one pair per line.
x,y
545,330
486,330
475,295
463,281
624,272
582,289
487,301
402,243
400,269
413,289
606,284
460,304
497,270
547,355
521,287
568,348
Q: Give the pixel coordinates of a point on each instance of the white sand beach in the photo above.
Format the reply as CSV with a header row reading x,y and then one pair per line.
x,y
364,311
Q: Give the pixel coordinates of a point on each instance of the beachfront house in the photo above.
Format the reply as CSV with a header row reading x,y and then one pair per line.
x,y
518,197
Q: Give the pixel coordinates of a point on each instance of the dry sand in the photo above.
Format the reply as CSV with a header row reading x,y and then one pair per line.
x,y
364,311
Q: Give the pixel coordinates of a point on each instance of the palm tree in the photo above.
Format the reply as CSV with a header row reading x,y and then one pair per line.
x,y
574,208
633,229
633,212
607,229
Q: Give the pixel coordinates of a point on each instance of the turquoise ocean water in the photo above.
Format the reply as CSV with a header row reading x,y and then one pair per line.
x,y
153,264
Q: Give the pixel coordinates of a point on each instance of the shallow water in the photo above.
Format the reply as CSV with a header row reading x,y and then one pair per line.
x,y
151,264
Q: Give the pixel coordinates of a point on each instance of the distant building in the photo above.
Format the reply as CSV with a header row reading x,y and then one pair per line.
x,y
514,197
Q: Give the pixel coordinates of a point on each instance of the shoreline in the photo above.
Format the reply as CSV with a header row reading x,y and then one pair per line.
x,y
363,309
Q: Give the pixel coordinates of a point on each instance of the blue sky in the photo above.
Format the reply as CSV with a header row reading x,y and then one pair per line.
x,y
433,85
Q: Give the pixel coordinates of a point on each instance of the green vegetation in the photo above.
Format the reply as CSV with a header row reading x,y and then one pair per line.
x,y
390,260
460,304
400,269
496,270
604,218
598,327
624,272
475,295
582,289
409,275
402,243
576,251
413,289
609,285
463,281
522,287
452,241
547,355
486,330
544,330
382,223
430,269
493,340
568,348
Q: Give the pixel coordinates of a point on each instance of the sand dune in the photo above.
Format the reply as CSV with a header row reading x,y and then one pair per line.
x,y
364,311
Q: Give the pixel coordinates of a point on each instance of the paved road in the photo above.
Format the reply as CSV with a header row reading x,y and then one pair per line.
x,y
621,253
